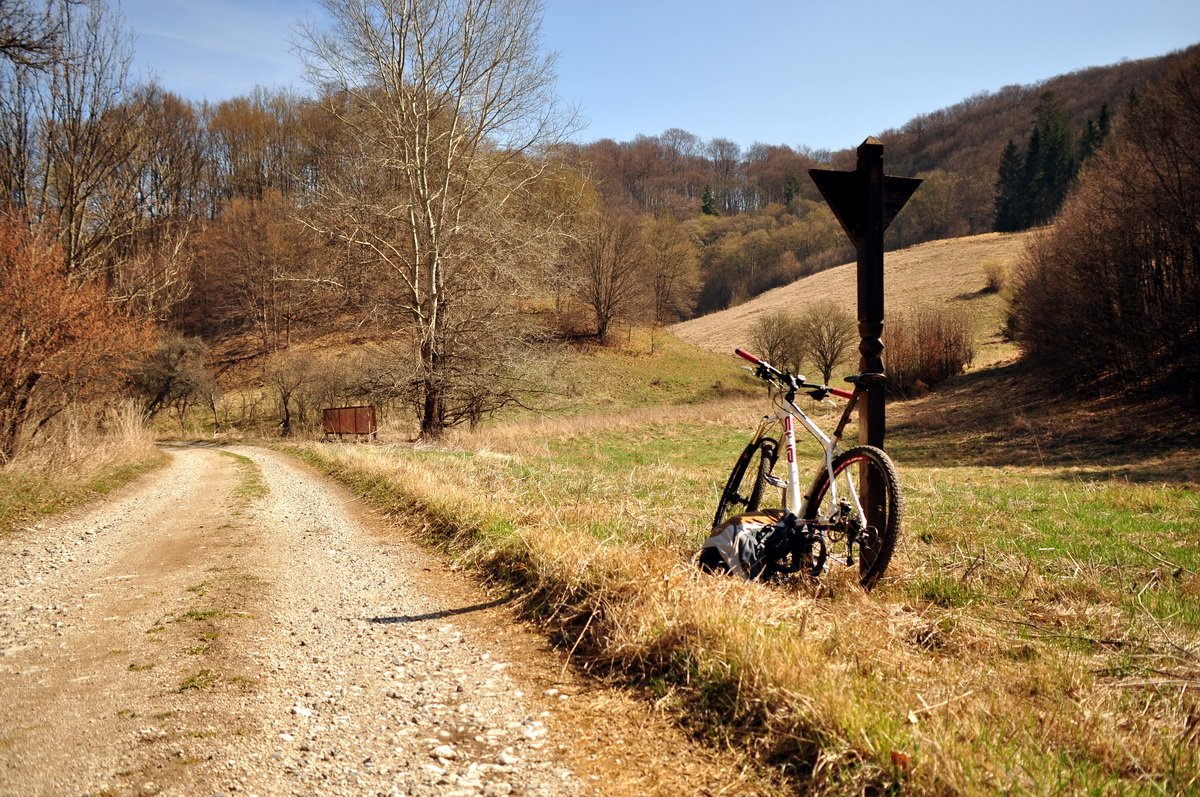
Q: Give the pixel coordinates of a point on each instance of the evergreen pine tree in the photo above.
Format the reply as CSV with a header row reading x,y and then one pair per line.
x,y
1010,198
791,190
1051,165
1094,133
1029,177
708,202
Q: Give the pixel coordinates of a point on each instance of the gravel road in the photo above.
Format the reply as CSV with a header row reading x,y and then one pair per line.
x,y
199,634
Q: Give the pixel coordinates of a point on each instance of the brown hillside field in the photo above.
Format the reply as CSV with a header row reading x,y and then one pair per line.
x,y
953,271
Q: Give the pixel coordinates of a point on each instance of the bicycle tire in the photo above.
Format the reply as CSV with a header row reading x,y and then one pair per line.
x,y
873,559
757,458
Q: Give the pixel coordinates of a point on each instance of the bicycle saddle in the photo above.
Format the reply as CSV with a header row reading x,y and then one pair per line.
x,y
867,380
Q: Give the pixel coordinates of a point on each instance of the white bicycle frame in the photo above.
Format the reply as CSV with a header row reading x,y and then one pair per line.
x,y
787,413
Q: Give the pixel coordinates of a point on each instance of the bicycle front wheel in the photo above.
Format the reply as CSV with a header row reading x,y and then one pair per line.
x,y
867,473
748,480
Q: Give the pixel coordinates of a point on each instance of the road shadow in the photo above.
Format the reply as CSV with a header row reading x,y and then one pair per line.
x,y
418,618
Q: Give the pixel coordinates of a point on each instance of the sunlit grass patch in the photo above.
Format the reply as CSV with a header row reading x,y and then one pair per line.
x,y
251,485
199,681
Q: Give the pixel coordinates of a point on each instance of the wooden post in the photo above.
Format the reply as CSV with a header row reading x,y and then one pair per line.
x,y
865,201
872,420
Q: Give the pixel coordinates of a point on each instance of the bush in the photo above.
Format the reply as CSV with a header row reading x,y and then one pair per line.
x,y
924,348
994,275
1113,289
174,376
61,340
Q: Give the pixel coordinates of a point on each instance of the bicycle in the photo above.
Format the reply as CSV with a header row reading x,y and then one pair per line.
x,y
861,506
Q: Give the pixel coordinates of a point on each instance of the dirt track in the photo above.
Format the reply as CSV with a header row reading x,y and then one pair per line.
x,y
195,636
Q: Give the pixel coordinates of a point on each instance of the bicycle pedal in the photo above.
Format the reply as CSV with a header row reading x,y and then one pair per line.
x,y
775,481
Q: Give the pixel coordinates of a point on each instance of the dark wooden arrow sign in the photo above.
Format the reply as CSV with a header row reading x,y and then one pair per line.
x,y
845,192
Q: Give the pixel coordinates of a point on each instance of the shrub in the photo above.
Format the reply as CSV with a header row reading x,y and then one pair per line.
x,y
61,340
174,375
925,347
994,275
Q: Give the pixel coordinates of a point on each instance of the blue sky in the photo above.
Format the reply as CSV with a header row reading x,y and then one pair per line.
x,y
817,73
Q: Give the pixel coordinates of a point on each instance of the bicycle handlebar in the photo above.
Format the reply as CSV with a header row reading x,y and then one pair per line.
x,y
745,355
768,372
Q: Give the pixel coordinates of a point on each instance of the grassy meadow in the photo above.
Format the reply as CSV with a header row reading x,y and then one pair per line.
x,y
1036,633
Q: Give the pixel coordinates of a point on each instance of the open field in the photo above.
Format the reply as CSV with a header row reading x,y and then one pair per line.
x,y
1039,630
952,272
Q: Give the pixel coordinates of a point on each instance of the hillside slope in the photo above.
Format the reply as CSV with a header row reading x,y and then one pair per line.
x,y
950,271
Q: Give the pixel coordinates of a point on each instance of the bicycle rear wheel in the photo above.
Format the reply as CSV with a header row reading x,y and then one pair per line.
x,y
748,480
853,470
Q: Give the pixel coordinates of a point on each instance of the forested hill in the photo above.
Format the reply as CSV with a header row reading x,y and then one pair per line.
x,y
967,139
758,220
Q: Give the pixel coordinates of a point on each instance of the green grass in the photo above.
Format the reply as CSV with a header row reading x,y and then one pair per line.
x,y
251,487
200,680
642,371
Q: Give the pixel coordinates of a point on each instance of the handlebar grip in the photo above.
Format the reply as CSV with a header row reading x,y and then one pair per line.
x,y
846,394
745,355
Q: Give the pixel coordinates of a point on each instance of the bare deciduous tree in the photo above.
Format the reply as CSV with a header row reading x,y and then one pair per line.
x,y
776,338
287,373
154,200
449,105
28,35
254,272
67,128
828,333
611,261
88,132
672,269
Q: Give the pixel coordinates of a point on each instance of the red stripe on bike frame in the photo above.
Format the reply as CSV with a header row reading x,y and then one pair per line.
x,y
789,429
841,393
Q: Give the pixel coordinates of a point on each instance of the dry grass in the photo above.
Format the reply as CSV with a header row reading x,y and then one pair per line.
x,y
1030,637
88,451
955,272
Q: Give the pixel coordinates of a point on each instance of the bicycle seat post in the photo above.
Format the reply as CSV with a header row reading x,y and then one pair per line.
x,y
846,414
